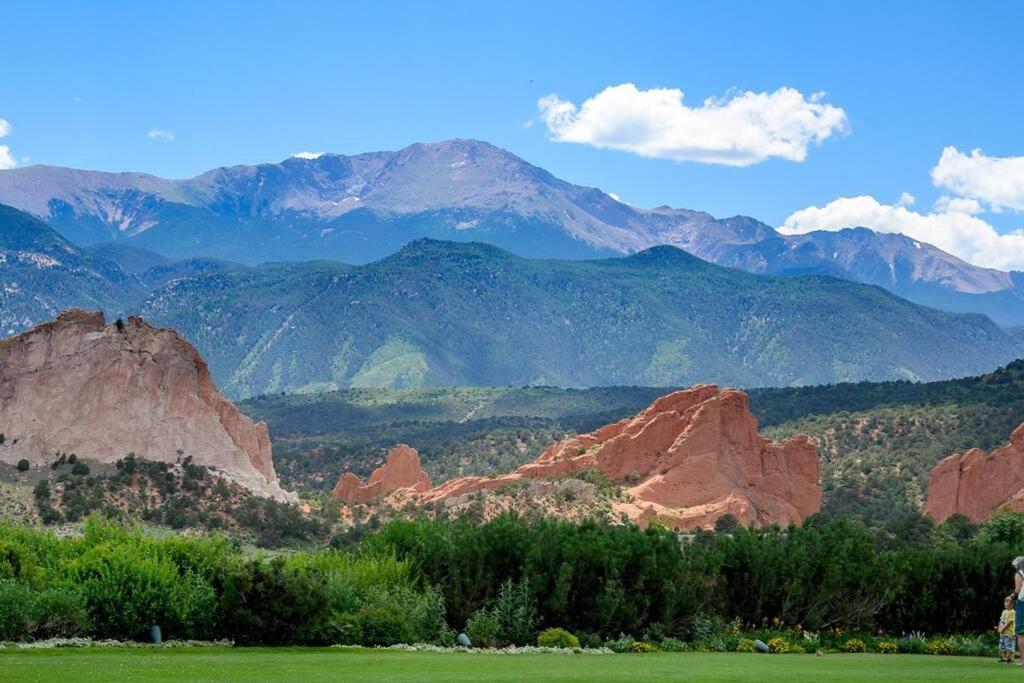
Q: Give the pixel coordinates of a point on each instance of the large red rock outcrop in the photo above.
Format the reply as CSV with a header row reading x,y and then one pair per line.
x,y
78,385
688,459
977,484
401,471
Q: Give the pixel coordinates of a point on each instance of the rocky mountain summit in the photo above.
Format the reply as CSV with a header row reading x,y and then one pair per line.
x,y
78,385
363,207
688,459
976,484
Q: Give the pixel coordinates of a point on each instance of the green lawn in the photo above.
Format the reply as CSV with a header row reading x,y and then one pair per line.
x,y
306,664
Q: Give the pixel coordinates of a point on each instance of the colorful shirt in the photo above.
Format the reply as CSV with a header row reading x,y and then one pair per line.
x,y
1006,622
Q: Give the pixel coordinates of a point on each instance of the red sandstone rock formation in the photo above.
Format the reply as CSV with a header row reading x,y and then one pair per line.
x,y
400,472
101,391
977,484
689,458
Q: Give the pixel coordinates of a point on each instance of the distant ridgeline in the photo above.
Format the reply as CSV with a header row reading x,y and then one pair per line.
x,y
451,314
360,208
878,441
469,314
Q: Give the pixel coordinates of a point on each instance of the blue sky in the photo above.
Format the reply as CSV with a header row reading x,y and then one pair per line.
x,y
251,82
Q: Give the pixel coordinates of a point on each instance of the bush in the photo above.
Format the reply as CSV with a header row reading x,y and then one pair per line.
x,y
887,647
726,524
966,646
938,646
58,612
621,644
50,613
854,645
14,597
41,490
745,645
557,637
346,629
673,645
128,589
516,613
483,628
640,646
912,644
778,646
382,626
80,469
23,465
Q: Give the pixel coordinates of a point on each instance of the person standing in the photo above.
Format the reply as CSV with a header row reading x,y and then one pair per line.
x,y
1018,603
1006,630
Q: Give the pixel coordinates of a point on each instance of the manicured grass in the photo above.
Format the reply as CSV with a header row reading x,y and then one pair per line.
x,y
307,664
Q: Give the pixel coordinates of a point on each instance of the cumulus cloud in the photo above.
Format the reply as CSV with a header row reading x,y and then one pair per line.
x,y
161,134
308,155
740,129
7,159
997,181
952,227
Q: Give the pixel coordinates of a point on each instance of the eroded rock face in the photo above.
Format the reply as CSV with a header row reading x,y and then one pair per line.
x,y
400,472
78,385
976,483
689,458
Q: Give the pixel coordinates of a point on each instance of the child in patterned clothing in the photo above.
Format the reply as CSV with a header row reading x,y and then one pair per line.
x,y
1005,630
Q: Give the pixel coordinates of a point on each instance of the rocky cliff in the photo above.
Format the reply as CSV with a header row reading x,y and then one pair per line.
x,y
78,385
401,471
976,483
689,458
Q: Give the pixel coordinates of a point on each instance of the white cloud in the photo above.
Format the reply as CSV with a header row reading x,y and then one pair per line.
x,y
951,228
308,155
161,134
740,129
7,159
946,204
906,199
997,181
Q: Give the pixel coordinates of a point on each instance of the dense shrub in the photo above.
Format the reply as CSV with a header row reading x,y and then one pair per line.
x,y
854,645
820,586
886,647
912,644
115,583
641,647
938,646
128,588
516,613
621,644
557,637
745,645
483,628
384,625
673,645
57,612
23,465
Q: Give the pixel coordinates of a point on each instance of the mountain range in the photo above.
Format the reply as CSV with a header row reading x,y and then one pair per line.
x,y
445,313
41,273
357,209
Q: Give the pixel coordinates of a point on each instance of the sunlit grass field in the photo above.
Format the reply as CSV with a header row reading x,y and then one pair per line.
x,y
322,664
